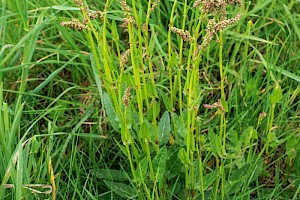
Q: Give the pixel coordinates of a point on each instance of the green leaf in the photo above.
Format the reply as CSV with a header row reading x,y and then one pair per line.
x,y
252,88
237,174
247,37
183,156
291,146
215,143
180,129
164,128
151,90
174,166
224,104
145,131
153,110
167,101
159,164
122,189
142,169
247,135
111,113
272,138
110,174
237,178
208,179
277,95
235,144
240,162
35,145
173,60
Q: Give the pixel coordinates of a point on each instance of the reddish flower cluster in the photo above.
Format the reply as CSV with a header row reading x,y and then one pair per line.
x,y
214,105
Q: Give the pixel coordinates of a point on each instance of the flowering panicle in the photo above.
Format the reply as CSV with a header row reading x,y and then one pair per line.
x,y
78,2
126,97
80,25
127,16
75,24
218,104
215,7
154,5
184,34
227,22
95,15
125,56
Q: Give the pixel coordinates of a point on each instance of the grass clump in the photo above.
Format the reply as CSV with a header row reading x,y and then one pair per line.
x,y
149,100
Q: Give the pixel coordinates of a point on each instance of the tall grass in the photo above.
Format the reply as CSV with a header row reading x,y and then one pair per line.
x,y
149,100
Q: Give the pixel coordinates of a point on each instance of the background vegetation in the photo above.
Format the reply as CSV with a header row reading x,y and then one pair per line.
x,y
121,107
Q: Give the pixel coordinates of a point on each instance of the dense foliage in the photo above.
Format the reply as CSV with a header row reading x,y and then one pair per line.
x,y
153,99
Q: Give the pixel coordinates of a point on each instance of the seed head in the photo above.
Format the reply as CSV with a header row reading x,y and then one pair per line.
x,y
183,34
218,104
78,2
126,97
154,5
125,56
75,24
127,14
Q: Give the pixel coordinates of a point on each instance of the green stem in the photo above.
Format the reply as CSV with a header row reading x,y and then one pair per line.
x,y
270,127
223,118
181,61
130,161
216,186
221,64
200,164
169,52
136,74
151,169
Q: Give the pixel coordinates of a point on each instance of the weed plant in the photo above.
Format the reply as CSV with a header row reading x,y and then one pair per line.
x,y
149,99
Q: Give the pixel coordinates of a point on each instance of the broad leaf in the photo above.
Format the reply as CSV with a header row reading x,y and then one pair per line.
x,y
159,164
164,128
291,146
122,189
224,104
277,95
248,135
153,111
184,157
215,143
111,113
167,101
110,174
208,179
234,144
144,131
142,169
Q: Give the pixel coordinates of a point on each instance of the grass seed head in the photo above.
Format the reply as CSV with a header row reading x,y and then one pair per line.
x,y
215,7
75,24
154,5
126,97
78,2
218,104
125,57
127,14
183,34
